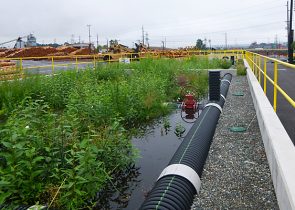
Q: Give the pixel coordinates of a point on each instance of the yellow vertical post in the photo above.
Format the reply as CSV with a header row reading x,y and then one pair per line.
x,y
76,63
21,66
52,65
259,67
254,70
264,76
275,86
253,57
256,66
94,62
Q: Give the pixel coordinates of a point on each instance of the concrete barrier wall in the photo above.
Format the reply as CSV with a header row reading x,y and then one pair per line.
x,y
279,148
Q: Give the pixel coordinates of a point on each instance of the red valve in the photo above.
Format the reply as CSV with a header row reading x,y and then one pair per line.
x,y
189,104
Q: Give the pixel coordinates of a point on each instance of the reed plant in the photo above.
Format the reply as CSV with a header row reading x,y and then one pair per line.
x,y
63,137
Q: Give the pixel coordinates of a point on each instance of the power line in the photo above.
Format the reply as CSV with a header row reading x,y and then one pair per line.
x,y
225,12
220,21
225,30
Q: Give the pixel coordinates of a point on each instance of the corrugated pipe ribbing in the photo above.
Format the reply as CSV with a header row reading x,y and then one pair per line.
x,y
180,180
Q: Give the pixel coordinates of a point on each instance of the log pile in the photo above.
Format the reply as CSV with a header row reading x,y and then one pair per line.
x,y
82,51
8,70
7,53
6,63
33,52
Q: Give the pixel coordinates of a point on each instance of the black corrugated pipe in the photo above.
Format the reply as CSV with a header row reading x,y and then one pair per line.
x,y
180,180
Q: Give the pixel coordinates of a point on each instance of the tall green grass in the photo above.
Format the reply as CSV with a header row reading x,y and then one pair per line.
x,y
71,131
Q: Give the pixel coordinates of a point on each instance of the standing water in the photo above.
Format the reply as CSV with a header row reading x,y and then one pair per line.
x,y
156,149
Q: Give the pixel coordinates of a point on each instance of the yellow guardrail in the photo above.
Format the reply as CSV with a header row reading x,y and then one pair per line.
x,y
50,64
255,60
26,64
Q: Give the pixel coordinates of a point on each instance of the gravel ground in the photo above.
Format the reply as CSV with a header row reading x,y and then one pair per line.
x,y
236,174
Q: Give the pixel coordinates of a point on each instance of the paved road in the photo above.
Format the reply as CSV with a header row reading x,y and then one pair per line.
x,y
286,80
47,68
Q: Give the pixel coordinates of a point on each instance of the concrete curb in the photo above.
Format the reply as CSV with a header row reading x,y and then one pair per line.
x,y
279,148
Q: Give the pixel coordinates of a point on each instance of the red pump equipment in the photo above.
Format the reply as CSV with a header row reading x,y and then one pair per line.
x,y
190,107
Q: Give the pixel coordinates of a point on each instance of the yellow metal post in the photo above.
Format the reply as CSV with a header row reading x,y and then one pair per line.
x,y
275,86
254,70
52,65
94,62
259,67
76,63
21,66
264,76
254,67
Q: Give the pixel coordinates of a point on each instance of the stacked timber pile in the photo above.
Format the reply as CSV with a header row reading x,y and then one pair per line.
x,y
82,51
5,63
63,51
66,49
7,52
33,52
8,70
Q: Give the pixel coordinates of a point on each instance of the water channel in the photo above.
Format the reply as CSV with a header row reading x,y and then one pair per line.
x,y
156,148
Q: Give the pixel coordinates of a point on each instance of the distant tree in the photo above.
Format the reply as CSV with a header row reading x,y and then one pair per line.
x,y
253,45
293,45
114,42
200,45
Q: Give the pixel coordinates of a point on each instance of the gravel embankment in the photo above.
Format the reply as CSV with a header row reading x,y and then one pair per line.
x,y
236,174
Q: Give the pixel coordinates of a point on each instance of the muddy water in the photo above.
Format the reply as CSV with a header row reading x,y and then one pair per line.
x,y
156,148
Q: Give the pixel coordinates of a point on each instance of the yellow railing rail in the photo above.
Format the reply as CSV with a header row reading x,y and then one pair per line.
x,y
74,61
254,61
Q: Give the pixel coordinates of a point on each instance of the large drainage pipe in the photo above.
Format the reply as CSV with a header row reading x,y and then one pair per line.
x,y
180,180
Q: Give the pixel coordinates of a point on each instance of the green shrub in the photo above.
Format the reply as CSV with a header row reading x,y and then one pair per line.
x,y
72,131
241,69
225,63
41,157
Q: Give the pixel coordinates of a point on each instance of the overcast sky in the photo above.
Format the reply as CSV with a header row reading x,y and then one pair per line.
x,y
180,21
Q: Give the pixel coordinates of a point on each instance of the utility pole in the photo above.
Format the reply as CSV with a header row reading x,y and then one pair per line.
x,y
107,45
210,44
165,42
225,40
287,19
89,34
72,39
163,45
89,26
147,39
142,35
290,36
97,42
